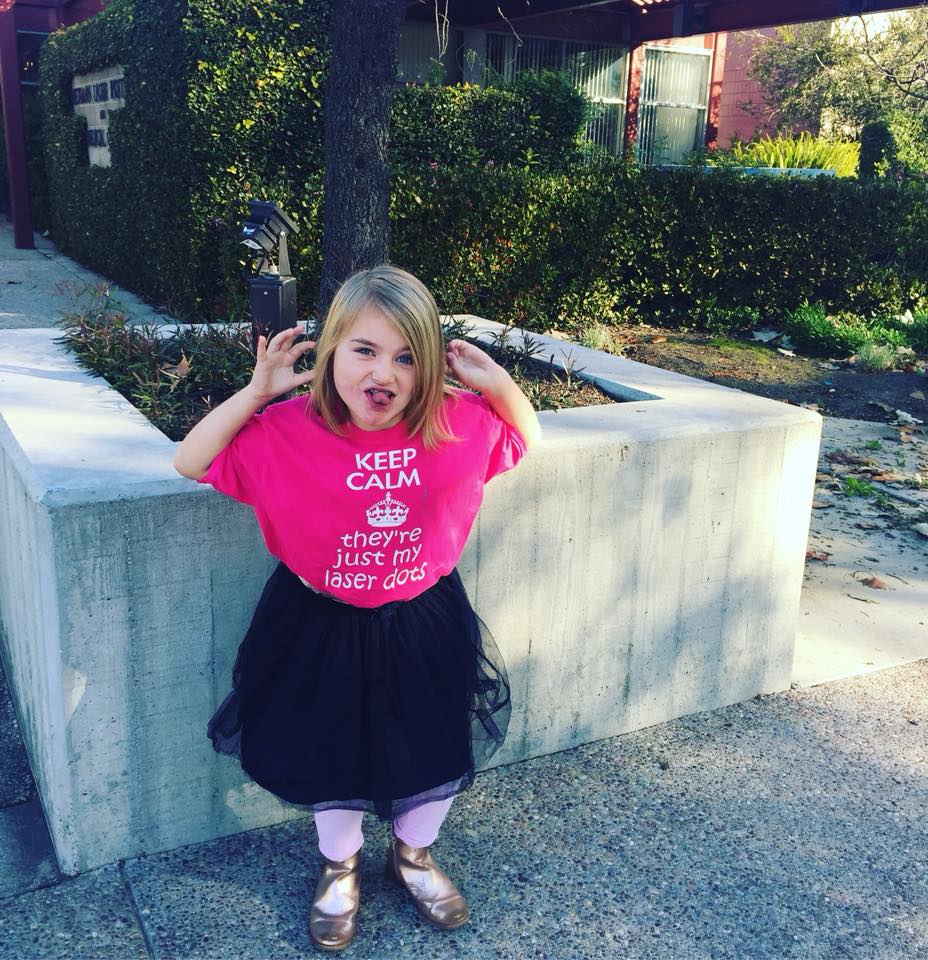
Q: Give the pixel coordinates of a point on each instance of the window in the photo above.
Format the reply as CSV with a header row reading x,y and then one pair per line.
x,y
417,55
599,71
672,108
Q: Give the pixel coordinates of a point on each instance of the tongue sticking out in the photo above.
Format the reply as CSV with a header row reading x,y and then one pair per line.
x,y
379,397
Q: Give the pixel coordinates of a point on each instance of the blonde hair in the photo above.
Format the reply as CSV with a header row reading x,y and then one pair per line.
x,y
407,302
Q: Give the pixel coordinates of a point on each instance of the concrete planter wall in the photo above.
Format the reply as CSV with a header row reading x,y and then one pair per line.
x,y
643,563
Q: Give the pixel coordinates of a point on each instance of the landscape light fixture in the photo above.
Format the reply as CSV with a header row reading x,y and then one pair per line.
x,y
272,288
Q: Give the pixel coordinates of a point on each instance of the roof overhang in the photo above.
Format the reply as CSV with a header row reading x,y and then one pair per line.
x,y
637,21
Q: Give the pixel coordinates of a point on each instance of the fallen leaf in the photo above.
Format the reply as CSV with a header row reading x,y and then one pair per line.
x,y
917,394
181,370
821,504
817,555
879,403
871,580
658,339
848,456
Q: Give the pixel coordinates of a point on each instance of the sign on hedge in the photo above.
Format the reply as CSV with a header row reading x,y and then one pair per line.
x,y
95,96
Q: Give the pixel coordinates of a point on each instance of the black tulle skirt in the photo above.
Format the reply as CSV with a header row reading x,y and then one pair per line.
x,y
382,709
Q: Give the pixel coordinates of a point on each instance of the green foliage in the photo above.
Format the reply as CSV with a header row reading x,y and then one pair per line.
x,y
215,113
804,151
855,487
914,327
612,243
843,78
540,116
176,379
548,386
876,356
221,104
876,149
896,147
876,338
173,380
910,143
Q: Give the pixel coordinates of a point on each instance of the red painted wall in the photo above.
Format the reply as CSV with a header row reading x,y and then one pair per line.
x,y
738,88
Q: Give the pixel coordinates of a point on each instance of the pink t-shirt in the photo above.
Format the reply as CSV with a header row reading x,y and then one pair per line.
x,y
373,516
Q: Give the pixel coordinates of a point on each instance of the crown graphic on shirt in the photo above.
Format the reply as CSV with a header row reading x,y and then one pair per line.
x,y
387,513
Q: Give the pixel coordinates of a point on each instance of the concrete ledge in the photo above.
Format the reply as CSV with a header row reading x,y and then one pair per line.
x,y
645,562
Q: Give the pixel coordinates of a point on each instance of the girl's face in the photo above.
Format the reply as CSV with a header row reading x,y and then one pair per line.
x,y
374,371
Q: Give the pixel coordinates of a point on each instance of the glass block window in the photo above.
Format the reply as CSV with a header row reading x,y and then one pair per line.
x,y
673,103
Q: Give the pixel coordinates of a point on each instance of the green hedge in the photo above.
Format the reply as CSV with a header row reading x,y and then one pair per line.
x,y
538,120
613,242
222,104
896,147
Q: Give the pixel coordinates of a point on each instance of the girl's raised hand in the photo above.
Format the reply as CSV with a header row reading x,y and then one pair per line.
x,y
472,366
273,373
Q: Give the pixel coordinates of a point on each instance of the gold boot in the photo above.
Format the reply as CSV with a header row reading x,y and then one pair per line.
x,y
335,903
436,898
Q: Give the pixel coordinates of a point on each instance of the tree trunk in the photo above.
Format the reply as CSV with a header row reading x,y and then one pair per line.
x,y
358,94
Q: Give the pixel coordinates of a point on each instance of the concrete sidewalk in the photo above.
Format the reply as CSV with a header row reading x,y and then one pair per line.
x,y
787,826
36,286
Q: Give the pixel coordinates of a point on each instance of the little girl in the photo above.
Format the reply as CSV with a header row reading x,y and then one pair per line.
x,y
366,681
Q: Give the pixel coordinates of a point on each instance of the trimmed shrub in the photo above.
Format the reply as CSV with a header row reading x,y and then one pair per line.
x,y
540,116
896,146
612,243
877,150
910,141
